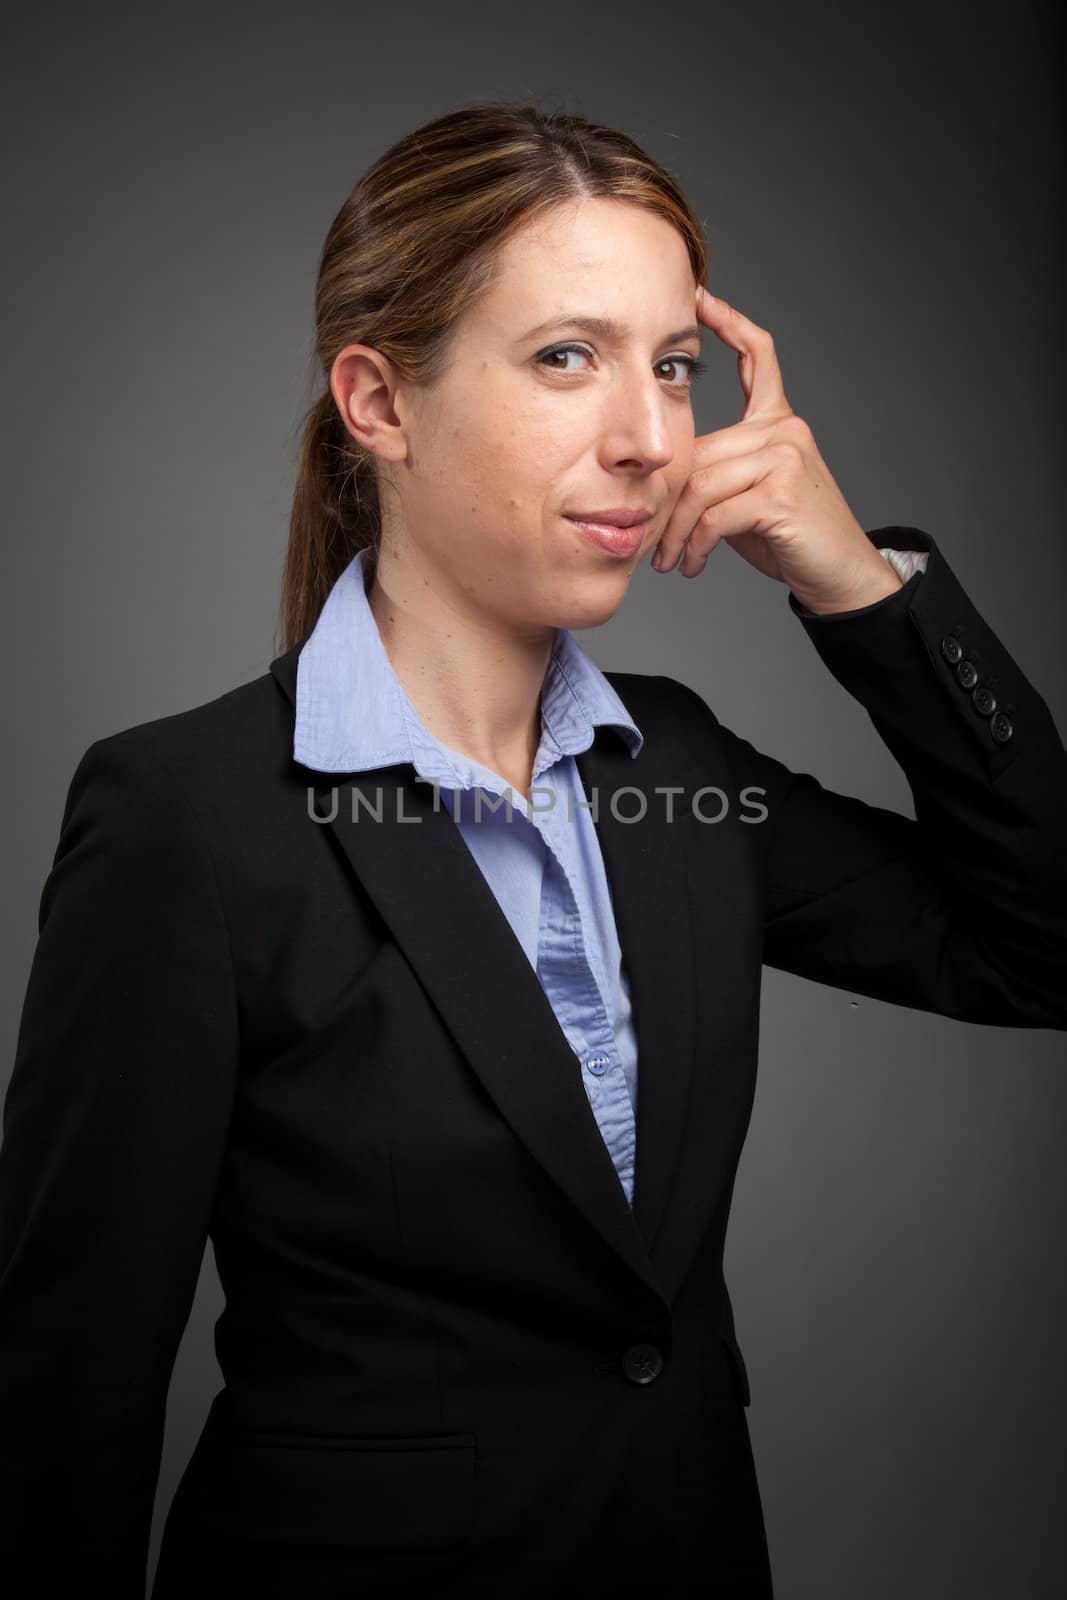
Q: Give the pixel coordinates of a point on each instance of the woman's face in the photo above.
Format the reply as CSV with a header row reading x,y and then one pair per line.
x,y
513,438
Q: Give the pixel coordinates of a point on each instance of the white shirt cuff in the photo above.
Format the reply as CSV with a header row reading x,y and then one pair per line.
x,y
905,563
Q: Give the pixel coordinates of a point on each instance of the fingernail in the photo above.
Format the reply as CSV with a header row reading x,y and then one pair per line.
x,y
657,559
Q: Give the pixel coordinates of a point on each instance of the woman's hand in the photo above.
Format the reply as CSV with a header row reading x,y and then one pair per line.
x,y
763,487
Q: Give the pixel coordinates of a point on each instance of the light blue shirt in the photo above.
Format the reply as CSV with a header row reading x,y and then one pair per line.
x,y
544,866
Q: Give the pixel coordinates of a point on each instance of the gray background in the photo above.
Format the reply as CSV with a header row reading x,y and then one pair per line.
x,y
881,189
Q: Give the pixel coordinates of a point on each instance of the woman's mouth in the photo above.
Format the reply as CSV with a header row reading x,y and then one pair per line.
x,y
609,536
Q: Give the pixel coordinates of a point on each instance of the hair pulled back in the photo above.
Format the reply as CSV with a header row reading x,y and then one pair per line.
x,y
411,249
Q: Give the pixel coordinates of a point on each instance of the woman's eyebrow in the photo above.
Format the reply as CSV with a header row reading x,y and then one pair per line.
x,y
605,328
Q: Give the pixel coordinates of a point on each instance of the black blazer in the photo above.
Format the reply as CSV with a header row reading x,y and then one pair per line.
x,y
452,1353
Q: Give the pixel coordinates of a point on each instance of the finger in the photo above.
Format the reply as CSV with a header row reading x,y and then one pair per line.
x,y
739,439
742,514
757,366
706,488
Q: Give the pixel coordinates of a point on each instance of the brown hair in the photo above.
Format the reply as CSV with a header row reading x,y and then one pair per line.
x,y
411,249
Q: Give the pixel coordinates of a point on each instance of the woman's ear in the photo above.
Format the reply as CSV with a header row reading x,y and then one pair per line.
x,y
364,385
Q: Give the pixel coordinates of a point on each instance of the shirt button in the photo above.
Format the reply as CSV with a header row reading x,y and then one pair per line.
x,y
598,1065
642,1363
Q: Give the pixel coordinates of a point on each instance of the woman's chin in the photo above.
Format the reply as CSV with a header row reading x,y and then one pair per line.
x,y
590,602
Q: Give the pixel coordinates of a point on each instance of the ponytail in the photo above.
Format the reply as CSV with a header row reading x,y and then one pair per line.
x,y
335,514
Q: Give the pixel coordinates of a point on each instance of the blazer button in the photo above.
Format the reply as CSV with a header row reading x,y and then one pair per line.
x,y
967,674
984,700
951,649
1001,728
642,1362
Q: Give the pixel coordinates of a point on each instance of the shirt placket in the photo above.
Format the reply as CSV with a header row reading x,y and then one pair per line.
x,y
567,977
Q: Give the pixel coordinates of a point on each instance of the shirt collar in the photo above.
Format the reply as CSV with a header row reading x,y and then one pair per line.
x,y
353,713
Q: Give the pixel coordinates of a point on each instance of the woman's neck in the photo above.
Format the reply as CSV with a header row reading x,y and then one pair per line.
x,y
475,684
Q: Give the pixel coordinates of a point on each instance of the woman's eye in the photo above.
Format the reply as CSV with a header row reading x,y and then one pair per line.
x,y
562,350
692,365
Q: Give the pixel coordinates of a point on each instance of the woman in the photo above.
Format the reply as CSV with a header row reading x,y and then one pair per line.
x,y
459,1095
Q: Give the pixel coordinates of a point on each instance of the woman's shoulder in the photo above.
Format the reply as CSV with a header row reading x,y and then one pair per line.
x,y
679,720
213,751
674,704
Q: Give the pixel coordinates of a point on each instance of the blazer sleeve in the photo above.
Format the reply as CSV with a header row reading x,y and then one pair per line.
x,y
963,910
114,1125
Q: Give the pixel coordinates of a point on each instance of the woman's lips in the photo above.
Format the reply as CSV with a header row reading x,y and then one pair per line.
x,y
616,541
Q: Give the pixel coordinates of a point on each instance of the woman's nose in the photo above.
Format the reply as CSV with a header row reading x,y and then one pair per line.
x,y
636,427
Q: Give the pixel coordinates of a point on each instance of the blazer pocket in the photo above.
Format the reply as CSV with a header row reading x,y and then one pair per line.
x,y
373,1492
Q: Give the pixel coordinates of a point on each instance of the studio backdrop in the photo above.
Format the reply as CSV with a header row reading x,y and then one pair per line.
x,y
881,189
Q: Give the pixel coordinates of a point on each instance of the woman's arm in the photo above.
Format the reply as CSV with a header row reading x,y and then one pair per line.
x,y
962,911
114,1128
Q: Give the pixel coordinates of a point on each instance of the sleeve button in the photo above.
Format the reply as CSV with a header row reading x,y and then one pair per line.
x,y
967,674
984,700
1001,728
951,649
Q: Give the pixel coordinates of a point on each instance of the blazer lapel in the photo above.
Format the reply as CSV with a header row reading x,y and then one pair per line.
x,y
429,889
645,867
